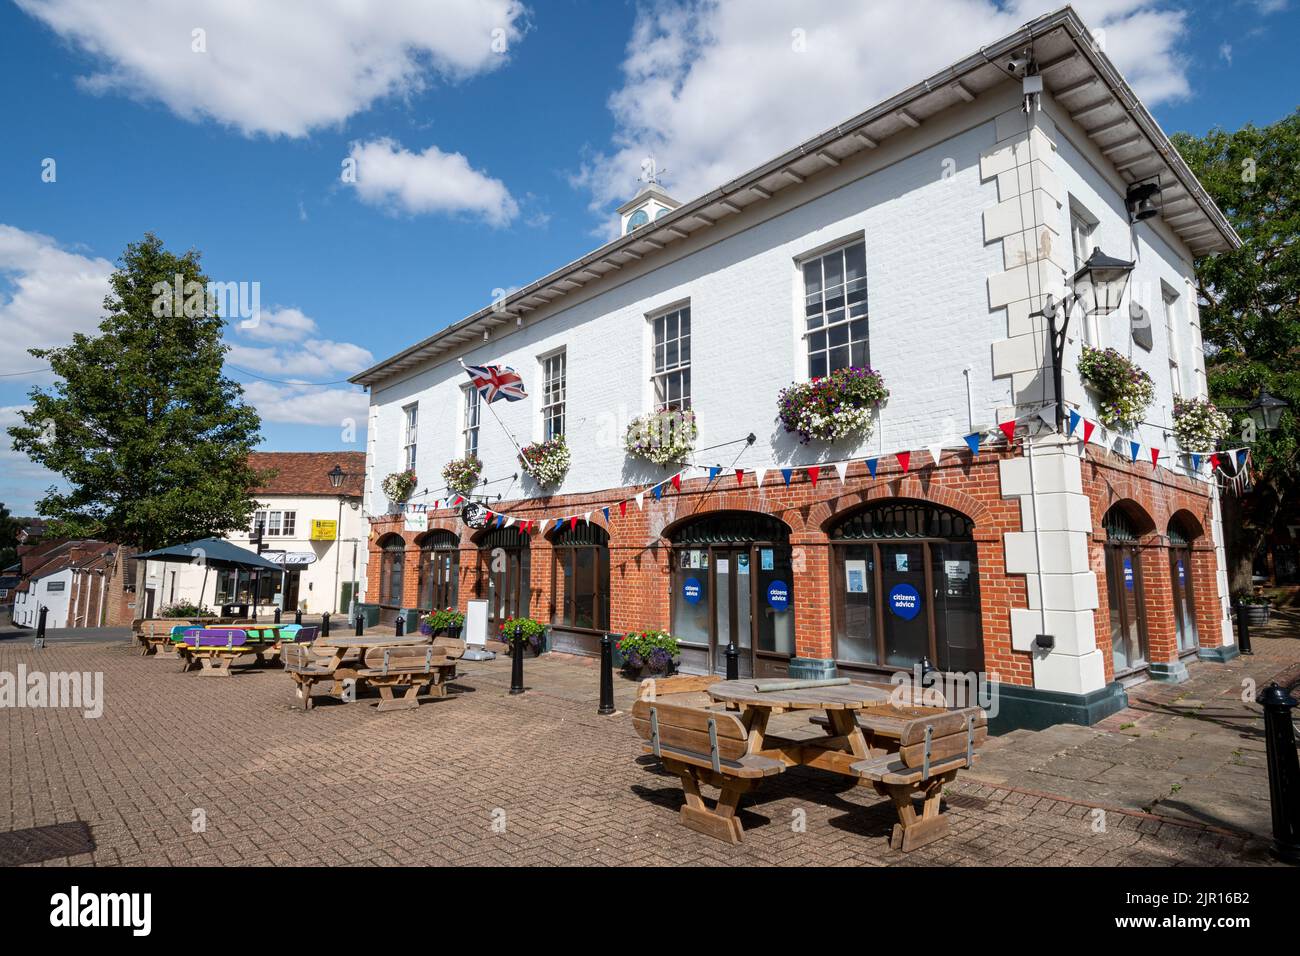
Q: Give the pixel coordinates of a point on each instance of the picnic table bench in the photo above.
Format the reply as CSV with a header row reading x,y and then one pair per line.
x,y
900,751
336,659
410,670
215,648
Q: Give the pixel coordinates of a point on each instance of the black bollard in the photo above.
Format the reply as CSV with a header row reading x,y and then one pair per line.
x,y
40,627
277,615
361,622
733,661
325,624
606,675
516,664
297,617
399,626
1283,772
1243,629
926,670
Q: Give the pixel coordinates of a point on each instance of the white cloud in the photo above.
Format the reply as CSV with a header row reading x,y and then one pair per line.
x,y
1225,52
22,481
285,67
51,294
712,89
277,325
390,176
304,405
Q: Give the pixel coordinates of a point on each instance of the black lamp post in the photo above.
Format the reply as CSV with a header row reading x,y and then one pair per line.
x,y
1266,411
1098,286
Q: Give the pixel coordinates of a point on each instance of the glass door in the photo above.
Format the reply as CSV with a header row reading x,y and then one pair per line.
x,y
903,586
1180,575
733,591
1127,609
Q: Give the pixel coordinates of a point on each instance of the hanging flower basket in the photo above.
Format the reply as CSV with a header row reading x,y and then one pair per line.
x,y
547,462
399,485
833,408
1199,425
1124,391
462,474
665,438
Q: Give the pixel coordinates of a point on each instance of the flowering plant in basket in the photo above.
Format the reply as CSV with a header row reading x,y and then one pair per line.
x,y
832,408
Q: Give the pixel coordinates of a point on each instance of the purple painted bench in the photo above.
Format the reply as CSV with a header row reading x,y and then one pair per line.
x,y
215,648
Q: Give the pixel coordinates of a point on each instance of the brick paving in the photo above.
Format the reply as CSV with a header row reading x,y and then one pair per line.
x,y
477,778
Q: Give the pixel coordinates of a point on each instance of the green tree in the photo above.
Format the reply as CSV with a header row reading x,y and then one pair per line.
x,y
149,435
1250,312
8,537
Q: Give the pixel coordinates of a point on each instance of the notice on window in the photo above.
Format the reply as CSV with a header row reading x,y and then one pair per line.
x,y
957,571
742,564
723,566
900,561
766,558
855,577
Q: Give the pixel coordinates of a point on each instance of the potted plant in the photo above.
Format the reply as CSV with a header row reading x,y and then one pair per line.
x,y
1124,390
462,474
546,462
666,437
399,485
1199,425
648,653
1257,606
448,620
517,631
832,408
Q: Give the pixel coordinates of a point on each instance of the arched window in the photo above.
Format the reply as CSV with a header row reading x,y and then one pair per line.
x,y
1128,626
905,586
580,580
732,580
391,563
504,558
1181,535
439,569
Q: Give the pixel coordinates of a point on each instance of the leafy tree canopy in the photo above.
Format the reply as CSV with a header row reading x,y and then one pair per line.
x,y
150,436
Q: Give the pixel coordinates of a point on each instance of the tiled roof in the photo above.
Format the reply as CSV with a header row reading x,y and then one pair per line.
x,y
307,472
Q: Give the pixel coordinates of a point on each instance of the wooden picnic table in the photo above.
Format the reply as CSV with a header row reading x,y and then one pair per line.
x,y
341,644
845,742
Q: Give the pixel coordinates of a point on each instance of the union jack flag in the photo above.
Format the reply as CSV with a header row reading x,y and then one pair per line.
x,y
496,381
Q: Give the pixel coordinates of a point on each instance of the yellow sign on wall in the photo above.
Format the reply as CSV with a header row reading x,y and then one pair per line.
x,y
324,530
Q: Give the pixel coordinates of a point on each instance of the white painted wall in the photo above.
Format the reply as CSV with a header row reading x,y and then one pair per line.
x,y
929,320
27,603
318,583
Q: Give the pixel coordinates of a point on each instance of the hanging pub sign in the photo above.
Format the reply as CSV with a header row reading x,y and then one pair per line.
x,y
692,591
474,515
904,601
778,596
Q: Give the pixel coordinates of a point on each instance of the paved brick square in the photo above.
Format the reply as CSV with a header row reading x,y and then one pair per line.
x,y
477,778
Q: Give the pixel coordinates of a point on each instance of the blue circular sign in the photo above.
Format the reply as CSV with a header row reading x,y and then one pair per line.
x,y
778,596
692,590
905,601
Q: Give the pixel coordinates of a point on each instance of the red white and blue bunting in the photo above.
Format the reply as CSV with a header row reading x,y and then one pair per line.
x,y
1004,436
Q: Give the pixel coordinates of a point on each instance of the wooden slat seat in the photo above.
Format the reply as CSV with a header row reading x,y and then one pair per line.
x,y
215,648
306,668
409,669
931,750
708,747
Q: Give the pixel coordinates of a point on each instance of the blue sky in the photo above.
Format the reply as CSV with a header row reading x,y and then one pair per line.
x,y
493,140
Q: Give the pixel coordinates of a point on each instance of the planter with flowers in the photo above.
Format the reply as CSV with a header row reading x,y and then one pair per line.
x,y
666,437
833,408
648,653
1124,390
462,474
399,485
546,462
446,621
518,631
1257,607
1199,426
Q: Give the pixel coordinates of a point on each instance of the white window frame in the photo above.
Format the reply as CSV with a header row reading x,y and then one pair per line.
x,y
554,396
809,334
1083,225
661,372
276,523
1169,298
471,417
410,432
